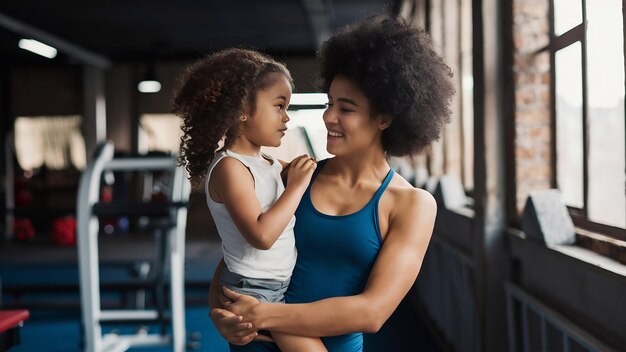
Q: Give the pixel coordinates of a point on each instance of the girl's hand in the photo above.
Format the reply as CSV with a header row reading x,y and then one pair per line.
x,y
300,171
232,327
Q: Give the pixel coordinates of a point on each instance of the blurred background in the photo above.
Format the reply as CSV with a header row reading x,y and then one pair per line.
x,y
529,248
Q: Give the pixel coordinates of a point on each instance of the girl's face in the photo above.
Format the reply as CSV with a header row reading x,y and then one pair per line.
x,y
268,124
351,129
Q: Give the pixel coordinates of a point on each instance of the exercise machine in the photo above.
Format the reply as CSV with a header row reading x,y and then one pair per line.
x,y
170,214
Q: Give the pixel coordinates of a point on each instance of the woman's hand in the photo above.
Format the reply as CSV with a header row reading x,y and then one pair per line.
x,y
232,327
241,305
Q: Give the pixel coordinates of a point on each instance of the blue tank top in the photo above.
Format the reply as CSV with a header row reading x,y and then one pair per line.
x,y
335,257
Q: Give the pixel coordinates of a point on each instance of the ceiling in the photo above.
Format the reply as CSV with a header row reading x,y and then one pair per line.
x,y
123,30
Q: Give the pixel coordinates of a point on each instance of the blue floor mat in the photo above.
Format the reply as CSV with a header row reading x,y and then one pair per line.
x,y
53,331
60,331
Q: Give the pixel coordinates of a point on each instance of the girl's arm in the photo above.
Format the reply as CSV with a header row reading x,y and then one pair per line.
x,y
392,276
232,184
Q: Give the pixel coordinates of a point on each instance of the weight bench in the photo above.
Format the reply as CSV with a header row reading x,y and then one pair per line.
x,y
11,321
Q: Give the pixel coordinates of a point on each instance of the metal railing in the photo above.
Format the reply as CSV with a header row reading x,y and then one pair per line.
x,y
520,305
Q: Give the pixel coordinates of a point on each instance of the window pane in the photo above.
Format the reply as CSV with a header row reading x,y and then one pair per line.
x,y
55,141
306,134
436,25
467,86
605,77
453,133
159,132
436,156
569,124
567,15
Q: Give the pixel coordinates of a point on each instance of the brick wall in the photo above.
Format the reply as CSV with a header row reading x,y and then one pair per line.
x,y
531,67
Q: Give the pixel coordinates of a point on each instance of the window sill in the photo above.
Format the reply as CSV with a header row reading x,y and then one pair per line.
x,y
463,211
602,245
592,258
578,251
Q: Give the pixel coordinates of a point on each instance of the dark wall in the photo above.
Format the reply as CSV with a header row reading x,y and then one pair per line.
x,y
46,91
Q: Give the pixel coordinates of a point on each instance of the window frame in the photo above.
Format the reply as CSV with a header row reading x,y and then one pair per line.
x,y
578,33
436,8
467,166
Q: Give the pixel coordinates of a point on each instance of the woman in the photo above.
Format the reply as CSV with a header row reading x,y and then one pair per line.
x,y
361,230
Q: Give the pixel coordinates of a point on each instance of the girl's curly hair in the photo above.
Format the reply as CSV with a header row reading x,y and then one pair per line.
x,y
214,93
397,68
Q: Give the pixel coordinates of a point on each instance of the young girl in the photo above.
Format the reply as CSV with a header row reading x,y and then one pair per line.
x,y
241,97
362,230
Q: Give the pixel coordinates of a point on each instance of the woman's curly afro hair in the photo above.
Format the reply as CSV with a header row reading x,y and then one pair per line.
x,y
215,92
397,68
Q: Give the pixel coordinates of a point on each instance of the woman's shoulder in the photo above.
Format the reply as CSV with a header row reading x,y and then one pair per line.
x,y
406,198
409,210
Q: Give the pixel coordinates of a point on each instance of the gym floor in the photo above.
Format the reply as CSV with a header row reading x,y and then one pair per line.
x,y
43,278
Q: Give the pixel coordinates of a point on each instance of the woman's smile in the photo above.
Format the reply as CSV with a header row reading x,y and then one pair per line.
x,y
335,134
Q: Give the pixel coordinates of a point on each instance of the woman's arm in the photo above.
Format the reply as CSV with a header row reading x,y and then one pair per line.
x,y
392,276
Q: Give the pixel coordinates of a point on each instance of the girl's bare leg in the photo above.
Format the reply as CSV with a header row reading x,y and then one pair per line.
x,y
293,343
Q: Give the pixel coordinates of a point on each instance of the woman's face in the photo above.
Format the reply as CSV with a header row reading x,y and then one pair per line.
x,y
351,129
267,126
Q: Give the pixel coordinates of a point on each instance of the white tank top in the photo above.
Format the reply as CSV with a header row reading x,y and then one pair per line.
x,y
240,257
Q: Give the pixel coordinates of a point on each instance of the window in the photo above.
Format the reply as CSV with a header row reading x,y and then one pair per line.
x,y
42,185
306,132
466,92
587,48
159,132
451,31
54,141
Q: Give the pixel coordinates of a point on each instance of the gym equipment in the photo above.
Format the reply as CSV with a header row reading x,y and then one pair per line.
x,y
11,321
170,214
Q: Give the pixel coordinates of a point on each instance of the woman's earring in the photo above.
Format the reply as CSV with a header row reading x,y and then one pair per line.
x,y
243,118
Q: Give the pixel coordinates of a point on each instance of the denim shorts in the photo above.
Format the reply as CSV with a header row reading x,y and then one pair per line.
x,y
265,290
